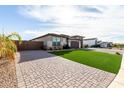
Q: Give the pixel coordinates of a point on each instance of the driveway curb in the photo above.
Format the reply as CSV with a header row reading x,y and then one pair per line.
x,y
20,80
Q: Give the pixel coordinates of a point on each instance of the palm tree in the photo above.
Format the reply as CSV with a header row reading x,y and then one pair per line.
x,y
7,46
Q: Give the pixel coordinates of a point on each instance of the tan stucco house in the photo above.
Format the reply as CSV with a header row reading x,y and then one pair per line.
x,y
60,41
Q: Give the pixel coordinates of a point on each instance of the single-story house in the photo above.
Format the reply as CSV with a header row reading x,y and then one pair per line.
x,y
93,42
89,42
105,44
59,41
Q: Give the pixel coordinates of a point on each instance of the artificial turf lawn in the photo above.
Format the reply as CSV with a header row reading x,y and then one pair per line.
x,y
100,60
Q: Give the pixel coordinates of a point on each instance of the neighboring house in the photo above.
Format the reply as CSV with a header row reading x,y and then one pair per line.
x,y
90,42
105,44
58,41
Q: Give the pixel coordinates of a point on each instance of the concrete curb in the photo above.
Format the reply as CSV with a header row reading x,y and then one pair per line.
x,y
118,82
20,80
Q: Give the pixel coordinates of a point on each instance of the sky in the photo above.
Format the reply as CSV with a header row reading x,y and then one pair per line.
x,y
102,22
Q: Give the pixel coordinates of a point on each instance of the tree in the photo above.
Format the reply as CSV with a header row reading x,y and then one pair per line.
x,y
7,46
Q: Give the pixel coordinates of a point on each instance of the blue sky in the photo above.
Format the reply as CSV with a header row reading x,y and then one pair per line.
x,y
103,22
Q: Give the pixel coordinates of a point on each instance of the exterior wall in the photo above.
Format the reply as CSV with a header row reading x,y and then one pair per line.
x,y
69,43
106,44
103,45
76,37
46,38
47,41
82,46
79,44
63,41
90,42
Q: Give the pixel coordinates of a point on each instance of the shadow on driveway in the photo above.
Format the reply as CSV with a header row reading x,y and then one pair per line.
x,y
33,55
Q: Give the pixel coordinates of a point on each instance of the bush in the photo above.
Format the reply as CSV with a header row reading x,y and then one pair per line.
x,y
118,53
95,46
7,46
86,46
66,47
50,48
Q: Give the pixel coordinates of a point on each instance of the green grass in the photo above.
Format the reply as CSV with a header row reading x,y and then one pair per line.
x,y
100,60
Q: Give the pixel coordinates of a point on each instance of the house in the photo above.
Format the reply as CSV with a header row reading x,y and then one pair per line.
x,y
93,42
89,42
105,44
60,41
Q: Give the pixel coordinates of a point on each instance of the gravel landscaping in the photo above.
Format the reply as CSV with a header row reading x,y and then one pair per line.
x,y
8,75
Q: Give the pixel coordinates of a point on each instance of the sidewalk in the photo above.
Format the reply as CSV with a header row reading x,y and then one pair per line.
x,y
119,79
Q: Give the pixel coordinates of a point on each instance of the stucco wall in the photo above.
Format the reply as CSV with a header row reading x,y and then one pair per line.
x,y
89,42
47,40
104,45
63,41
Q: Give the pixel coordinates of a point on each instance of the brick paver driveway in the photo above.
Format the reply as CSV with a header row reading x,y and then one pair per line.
x,y
41,69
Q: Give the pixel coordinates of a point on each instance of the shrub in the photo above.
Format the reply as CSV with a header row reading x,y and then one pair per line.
x,y
118,53
95,46
66,47
86,46
7,46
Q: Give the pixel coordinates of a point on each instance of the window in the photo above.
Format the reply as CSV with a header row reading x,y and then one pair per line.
x,y
56,41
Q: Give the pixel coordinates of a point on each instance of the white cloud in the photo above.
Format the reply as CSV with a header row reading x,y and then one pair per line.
x,y
57,14
74,20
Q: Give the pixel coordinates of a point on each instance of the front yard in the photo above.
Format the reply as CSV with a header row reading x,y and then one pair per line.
x,y
8,77
103,61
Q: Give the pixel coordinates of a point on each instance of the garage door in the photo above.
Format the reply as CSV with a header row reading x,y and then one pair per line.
x,y
74,44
